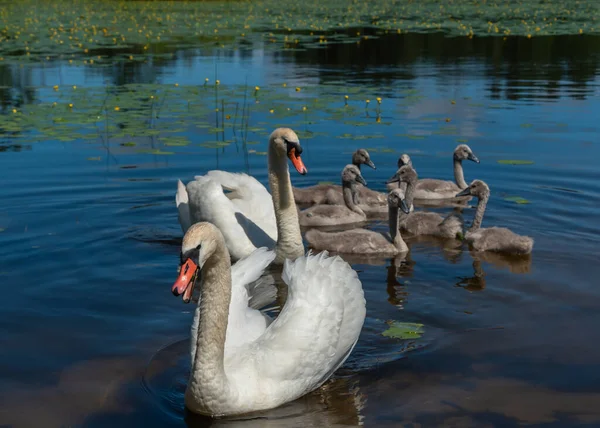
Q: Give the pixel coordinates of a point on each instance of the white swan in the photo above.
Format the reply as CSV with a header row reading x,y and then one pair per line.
x,y
312,336
248,216
363,241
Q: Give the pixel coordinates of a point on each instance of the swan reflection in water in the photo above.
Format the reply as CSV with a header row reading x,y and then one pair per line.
x,y
338,403
519,264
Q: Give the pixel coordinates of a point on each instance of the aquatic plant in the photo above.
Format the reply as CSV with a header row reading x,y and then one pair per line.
x,y
94,31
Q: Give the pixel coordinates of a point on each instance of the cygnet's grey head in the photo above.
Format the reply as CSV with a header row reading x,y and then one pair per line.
x,y
351,175
396,199
404,159
477,188
362,157
405,174
464,152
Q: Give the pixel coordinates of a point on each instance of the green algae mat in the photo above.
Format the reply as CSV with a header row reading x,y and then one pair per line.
x,y
94,31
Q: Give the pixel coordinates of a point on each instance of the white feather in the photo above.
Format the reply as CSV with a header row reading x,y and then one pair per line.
x,y
245,216
183,207
244,324
313,335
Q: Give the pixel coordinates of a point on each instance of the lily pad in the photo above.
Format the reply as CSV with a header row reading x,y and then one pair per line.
x,y
411,136
404,330
515,162
516,199
156,152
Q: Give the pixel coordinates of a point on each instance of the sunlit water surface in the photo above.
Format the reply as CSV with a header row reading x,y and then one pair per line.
x,y
91,335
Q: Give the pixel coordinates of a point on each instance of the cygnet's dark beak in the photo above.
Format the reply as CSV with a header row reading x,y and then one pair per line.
x,y
465,192
473,158
371,164
361,180
405,208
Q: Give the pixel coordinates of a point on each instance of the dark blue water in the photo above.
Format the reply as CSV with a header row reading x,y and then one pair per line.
x,y
91,335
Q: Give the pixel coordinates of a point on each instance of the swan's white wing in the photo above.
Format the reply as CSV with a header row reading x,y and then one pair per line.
x,y
244,324
207,202
314,333
250,197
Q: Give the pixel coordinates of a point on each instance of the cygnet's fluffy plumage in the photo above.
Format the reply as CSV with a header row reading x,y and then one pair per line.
x,y
362,241
331,215
499,239
332,193
431,188
425,223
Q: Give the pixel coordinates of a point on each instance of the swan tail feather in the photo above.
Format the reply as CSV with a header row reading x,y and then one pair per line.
x,y
183,207
246,271
233,183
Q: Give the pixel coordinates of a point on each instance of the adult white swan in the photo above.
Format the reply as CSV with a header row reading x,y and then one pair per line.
x,y
312,336
248,216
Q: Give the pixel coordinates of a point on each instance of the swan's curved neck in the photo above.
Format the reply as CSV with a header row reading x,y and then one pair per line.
x,y
289,239
410,192
402,186
350,193
478,219
207,379
459,176
395,229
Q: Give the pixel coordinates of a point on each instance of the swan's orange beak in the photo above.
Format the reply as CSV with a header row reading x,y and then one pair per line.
x,y
297,161
185,281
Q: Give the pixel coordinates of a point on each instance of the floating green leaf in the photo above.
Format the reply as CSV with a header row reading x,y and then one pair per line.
x,y
155,152
404,330
516,199
411,136
175,141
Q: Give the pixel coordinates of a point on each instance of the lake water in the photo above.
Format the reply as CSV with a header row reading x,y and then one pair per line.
x,y
89,241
